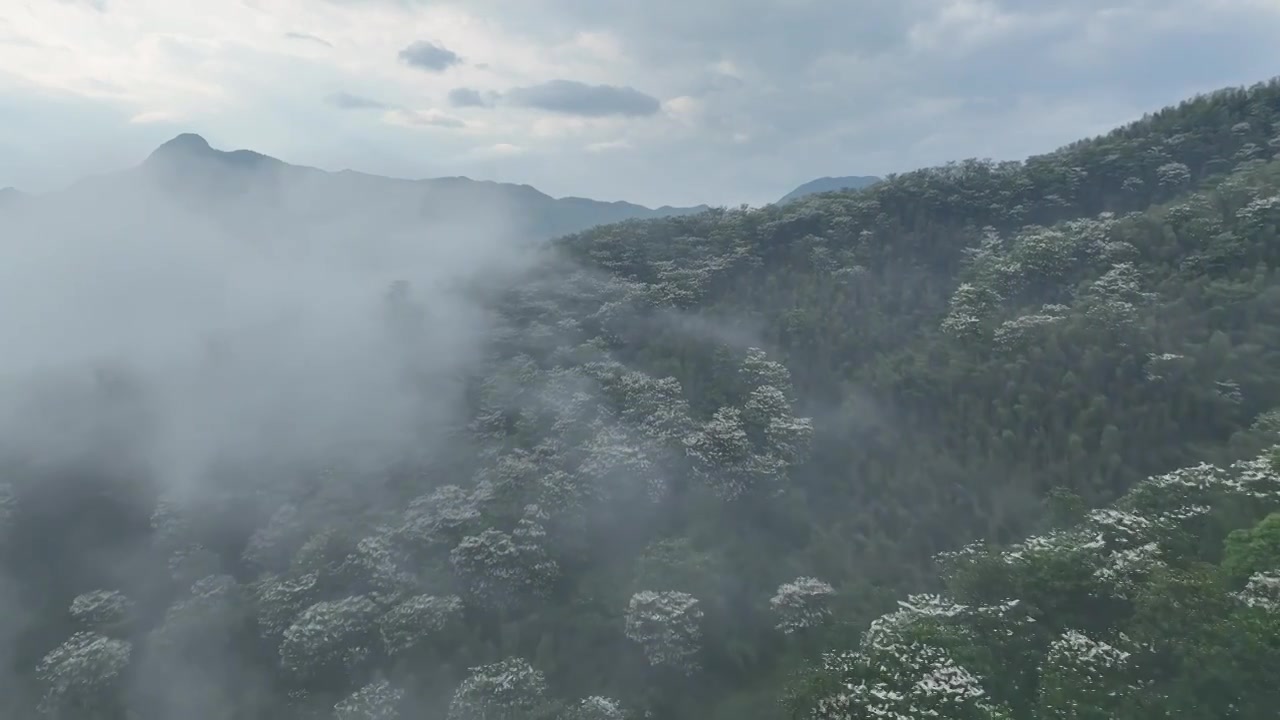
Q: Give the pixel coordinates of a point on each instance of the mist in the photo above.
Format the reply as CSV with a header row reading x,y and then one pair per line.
x,y
256,327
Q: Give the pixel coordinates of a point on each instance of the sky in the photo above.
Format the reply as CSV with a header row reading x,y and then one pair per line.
x,y
658,102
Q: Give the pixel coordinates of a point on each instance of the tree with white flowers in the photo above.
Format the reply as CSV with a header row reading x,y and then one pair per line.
x,y
334,636
507,690
501,569
107,612
417,621
379,700
83,677
802,603
668,626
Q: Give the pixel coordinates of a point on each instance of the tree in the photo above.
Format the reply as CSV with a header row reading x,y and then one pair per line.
x,y
667,625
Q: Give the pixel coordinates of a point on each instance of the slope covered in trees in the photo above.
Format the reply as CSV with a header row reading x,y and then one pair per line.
x,y
699,451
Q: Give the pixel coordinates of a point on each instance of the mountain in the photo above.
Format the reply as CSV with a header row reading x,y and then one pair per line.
x,y
982,441
225,182
9,196
829,184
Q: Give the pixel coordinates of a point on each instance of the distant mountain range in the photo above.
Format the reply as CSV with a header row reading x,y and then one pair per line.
x,y
829,184
188,169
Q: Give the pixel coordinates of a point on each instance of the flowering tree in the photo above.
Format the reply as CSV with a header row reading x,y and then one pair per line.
x,y
501,569
83,677
668,625
802,603
334,636
107,612
379,700
508,690
417,621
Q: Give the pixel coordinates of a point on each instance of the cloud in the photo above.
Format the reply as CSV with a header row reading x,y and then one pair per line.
x,y
466,97
429,56
499,150
308,37
809,87
607,145
154,116
575,98
347,101
99,5
423,118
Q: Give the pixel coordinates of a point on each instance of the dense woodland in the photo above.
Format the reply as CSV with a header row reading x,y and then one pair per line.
x,y
750,464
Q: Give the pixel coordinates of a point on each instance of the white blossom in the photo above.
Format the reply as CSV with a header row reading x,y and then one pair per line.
x,y
596,707
506,690
757,370
721,453
1174,174
279,601
379,700
668,626
416,620
104,611
768,413
500,569
1012,332
802,603
328,636
903,682
1084,674
437,516
82,674
1262,591
970,306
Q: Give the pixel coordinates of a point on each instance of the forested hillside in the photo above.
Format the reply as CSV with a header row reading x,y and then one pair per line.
x,y
700,452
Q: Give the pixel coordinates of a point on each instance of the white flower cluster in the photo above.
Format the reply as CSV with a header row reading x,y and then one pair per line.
x,y
904,681
416,620
1263,591
328,635
85,669
500,569
668,625
280,601
378,700
1012,332
511,688
1081,672
435,517
102,611
1047,252
740,450
970,305
596,707
802,603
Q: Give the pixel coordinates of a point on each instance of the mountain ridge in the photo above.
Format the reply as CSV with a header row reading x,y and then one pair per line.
x,y
189,165
829,184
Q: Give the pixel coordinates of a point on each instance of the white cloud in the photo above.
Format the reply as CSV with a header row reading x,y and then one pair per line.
x,y
430,117
751,91
608,145
154,116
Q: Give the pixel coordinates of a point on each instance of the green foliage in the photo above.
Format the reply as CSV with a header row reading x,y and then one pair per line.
x,y
1116,617
918,389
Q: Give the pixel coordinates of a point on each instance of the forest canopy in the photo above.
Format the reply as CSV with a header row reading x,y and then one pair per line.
x,y
987,440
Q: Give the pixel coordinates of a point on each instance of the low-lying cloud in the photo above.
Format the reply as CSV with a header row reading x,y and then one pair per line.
x,y
251,317
571,97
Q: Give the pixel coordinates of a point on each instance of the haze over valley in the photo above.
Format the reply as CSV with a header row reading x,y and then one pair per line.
x,y
821,422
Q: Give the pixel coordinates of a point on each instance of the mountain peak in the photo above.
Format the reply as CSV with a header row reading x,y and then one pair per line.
x,y
186,143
